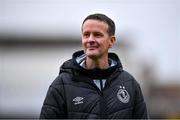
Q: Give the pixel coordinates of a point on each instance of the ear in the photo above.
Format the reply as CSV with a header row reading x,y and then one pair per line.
x,y
112,41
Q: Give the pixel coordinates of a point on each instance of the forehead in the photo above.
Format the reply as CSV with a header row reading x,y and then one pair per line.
x,y
94,25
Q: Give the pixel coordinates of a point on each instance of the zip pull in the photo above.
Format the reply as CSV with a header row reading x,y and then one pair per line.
x,y
101,85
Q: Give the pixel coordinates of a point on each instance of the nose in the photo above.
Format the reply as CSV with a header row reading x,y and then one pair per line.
x,y
91,38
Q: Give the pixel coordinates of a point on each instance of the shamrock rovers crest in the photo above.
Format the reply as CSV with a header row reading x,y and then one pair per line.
x,y
123,95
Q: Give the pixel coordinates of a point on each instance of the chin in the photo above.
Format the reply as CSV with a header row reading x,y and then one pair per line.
x,y
92,55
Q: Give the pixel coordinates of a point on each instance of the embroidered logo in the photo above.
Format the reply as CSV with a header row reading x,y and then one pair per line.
x,y
78,100
123,95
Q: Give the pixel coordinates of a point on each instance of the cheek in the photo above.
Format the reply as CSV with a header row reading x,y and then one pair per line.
x,y
82,40
105,44
83,43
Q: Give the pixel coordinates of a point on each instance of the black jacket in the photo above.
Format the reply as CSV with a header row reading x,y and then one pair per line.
x,y
73,94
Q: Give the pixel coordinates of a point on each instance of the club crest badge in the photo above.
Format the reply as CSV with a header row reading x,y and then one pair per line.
x,y
123,95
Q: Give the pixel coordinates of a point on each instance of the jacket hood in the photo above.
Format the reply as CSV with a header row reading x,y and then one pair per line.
x,y
73,67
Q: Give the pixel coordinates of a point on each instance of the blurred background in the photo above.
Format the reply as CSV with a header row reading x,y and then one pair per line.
x,y
37,36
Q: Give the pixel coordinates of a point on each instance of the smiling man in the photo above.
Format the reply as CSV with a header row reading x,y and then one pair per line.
x,y
93,84
96,41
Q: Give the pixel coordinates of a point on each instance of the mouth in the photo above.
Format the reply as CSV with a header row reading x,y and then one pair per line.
x,y
92,47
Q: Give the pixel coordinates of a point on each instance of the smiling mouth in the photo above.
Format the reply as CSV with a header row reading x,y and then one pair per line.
x,y
92,47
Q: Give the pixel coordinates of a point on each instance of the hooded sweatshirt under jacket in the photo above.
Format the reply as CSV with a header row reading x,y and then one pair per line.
x,y
80,93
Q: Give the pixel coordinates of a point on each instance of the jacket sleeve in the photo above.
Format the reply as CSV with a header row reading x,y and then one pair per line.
x,y
54,104
140,110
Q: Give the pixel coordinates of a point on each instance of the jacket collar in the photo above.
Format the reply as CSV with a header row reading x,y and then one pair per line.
x,y
95,73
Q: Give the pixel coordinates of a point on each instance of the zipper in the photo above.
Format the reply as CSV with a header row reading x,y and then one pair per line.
x,y
103,105
101,84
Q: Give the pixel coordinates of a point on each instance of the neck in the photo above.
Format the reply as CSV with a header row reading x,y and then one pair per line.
x,y
101,63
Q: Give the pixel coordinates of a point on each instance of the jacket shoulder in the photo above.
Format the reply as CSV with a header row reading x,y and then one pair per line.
x,y
57,81
66,66
126,76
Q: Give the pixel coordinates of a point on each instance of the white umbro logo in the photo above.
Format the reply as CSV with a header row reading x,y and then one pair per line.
x,y
78,100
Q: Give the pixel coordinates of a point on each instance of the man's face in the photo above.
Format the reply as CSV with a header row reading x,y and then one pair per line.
x,y
95,38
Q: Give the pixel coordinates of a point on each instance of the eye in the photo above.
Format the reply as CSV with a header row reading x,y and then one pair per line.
x,y
98,34
86,35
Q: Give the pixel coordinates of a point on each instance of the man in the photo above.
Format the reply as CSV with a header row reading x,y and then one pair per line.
x,y
93,85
